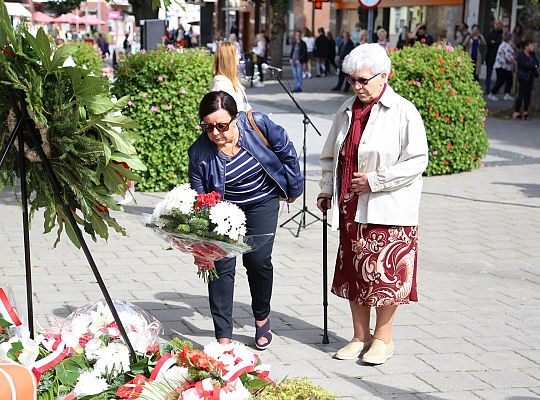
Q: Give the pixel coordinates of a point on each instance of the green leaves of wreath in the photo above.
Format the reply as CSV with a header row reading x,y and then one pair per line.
x,y
80,127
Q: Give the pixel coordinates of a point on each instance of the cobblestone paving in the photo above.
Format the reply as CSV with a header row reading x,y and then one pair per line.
x,y
474,334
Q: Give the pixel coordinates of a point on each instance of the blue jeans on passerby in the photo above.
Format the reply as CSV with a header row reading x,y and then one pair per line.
x,y
489,72
297,72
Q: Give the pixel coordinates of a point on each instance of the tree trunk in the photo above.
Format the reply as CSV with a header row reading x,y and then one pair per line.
x,y
279,13
142,9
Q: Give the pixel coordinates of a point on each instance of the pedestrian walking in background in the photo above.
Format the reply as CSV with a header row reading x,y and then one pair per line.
x,y
225,75
310,44
403,38
261,52
234,40
322,52
297,59
103,45
527,72
382,39
355,35
372,181
331,60
475,45
230,157
517,36
420,35
126,45
364,35
493,40
218,39
346,47
504,64
462,34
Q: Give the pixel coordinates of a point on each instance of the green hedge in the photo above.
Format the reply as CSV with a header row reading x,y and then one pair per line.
x,y
165,87
439,81
88,57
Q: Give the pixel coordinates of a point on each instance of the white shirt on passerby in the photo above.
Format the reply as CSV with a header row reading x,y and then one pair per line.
x,y
505,57
310,43
221,82
393,153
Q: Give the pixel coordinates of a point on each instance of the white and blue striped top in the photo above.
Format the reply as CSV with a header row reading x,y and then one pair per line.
x,y
246,181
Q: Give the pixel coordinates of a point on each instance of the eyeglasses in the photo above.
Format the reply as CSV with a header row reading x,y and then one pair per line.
x,y
360,81
220,126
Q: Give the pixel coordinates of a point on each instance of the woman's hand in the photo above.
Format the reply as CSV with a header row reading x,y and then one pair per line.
x,y
324,202
360,184
291,199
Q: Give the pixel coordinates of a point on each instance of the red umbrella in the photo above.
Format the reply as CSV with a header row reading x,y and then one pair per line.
x,y
68,18
42,18
90,19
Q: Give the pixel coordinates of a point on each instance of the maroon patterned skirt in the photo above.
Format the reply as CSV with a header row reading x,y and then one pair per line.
x,y
376,264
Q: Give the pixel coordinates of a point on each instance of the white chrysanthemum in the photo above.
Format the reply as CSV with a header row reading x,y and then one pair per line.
x,y
91,348
140,341
238,393
229,218
75,329
100,318
114,357
89,384
229,354
181,197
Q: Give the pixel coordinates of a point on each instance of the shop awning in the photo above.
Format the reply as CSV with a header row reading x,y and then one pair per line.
x,y
90,19
17,10
68,18
42,18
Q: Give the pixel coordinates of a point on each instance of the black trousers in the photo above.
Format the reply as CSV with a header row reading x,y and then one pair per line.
x,y
504,77
260,62
341,79
261,218
524,94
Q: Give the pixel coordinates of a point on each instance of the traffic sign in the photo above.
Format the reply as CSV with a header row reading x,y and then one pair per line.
x,y
369,4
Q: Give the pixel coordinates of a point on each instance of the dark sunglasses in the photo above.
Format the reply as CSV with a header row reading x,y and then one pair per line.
x,y
220,126
361,81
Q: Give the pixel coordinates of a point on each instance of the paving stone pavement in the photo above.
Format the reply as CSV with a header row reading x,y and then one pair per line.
x,y
475,333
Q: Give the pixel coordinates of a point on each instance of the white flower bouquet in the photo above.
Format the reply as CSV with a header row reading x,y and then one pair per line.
x,y
203,225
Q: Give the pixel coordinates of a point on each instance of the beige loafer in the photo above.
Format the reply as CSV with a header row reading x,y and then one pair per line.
x,y
352,350
378,352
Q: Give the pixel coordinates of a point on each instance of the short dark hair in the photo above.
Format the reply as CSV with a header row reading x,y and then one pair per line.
x,y
214,101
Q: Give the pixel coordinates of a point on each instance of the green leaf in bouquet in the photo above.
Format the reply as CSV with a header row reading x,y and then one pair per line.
x,y
42,47
68,371
121,121
98,104
183,228
120,144
199,224
61,55
4,324
252,383
6,30
179,344
133,161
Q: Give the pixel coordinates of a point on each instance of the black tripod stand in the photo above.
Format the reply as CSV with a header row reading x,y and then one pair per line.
x,y
306,121
31,138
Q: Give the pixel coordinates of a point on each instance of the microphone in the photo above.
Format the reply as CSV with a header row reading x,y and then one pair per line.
x,y
266,66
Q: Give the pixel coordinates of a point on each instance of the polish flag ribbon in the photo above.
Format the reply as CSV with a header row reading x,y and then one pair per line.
x,y
164,363
237,370
7,310
46,363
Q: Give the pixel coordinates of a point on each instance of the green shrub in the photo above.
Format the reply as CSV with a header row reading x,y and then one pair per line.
x,y
165,88
439,81
88,57
296,388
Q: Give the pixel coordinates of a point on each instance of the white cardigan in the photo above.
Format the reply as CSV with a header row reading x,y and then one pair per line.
x,y
221,82
393,152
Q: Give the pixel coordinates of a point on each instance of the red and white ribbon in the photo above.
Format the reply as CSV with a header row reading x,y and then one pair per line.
x,y
46,363
7,310
164,363
71,396
237,370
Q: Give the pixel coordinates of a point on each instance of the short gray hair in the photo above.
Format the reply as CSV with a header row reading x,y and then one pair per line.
x,y
370,56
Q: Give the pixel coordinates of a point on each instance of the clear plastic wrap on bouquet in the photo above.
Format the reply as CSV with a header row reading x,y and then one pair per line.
x,y
205,251
95,320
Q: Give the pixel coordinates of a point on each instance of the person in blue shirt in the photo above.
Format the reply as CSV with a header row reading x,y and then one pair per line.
x,y
253,172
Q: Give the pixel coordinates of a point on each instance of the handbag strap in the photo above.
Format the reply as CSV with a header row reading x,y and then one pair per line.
x,y
257,130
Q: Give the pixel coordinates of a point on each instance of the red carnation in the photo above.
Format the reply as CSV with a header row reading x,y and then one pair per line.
x,y
132,389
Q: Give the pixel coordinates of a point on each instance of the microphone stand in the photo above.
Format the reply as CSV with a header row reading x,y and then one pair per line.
x,y
307,121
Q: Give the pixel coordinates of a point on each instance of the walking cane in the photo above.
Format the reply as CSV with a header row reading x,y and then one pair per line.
x,y
325,270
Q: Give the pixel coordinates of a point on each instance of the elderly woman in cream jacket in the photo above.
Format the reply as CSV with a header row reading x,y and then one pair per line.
x,y
225,73
372,165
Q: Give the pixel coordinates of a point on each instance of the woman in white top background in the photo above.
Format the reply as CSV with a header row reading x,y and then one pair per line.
x,y
225,73
309,40
260,52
